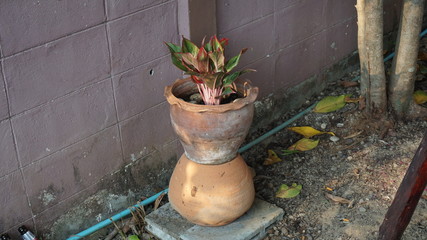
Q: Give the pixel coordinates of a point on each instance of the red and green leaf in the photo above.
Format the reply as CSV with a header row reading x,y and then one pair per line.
x,y
216,45
232,63
196,79
173,48
217,59
229,79
190,61
177,61
189,47
202,60
223,42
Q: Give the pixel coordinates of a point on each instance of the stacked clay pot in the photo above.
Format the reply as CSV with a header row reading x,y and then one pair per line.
x,y
211,184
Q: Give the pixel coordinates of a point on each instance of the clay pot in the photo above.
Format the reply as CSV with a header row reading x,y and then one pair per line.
x,y
210,134
211,195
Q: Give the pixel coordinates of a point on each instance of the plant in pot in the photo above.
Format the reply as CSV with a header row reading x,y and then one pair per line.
x,y
211,184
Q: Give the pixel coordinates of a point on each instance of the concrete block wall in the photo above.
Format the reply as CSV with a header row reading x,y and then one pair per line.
x,y
84,126
81,96
292,40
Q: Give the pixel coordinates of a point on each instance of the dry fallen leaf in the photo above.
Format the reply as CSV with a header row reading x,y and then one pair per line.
x,y
337,199
352,100
158,200
304,144
348,84
345,220
353,135
308,131
424,197
420,97
272,158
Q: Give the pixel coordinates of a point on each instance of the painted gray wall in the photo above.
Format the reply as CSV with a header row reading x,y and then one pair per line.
x,y
82,110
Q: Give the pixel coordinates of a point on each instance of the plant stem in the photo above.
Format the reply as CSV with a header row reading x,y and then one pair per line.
x,y
210,96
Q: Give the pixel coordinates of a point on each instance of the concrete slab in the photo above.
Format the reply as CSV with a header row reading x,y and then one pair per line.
x,y
166,224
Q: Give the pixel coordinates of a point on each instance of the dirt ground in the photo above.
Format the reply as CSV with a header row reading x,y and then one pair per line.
x,y
365,165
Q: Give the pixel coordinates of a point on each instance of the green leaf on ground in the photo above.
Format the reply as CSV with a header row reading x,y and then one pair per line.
x,y
289,192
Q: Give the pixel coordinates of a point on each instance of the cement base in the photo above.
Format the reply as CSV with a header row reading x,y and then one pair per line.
x,y
166,224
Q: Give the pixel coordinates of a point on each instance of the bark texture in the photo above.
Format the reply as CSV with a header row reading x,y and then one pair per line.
x,y
404,66
370,44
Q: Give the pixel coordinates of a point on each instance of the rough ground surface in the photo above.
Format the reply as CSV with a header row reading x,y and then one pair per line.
x,y
365,166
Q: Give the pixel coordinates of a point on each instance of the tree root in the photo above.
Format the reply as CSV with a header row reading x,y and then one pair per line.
x,y
416,112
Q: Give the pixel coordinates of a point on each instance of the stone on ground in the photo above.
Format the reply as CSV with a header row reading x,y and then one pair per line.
x,y
166,224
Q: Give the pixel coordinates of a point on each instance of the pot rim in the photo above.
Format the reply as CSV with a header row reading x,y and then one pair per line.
x,y
252,93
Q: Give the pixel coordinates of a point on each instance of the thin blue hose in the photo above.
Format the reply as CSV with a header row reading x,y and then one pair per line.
x,y
275,130
153,198
116,217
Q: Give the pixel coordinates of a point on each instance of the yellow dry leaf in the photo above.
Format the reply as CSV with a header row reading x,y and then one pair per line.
x,y
304,144
330,104
308,131
420,97
272,158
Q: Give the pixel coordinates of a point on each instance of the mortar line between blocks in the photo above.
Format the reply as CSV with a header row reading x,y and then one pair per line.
x,y
15,146
69,145
248,23
107,33
138,11
80,88
21,170
279,49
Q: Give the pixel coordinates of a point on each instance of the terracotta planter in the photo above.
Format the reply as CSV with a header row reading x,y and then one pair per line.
x,y
211,184
211,195
210,134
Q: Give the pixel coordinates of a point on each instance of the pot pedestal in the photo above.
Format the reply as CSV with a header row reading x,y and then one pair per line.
x,y
211,184
211,195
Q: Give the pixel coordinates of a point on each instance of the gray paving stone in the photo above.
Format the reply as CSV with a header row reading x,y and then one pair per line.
x,y
166,224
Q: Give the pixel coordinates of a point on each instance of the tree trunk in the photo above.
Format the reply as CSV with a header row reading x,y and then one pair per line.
x,y
404,67
370,44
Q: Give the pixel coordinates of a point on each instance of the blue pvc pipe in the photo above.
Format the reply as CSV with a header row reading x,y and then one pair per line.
x,y
275,130
391,55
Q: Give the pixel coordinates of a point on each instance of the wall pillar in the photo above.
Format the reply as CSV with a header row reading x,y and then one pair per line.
x,y
197,19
